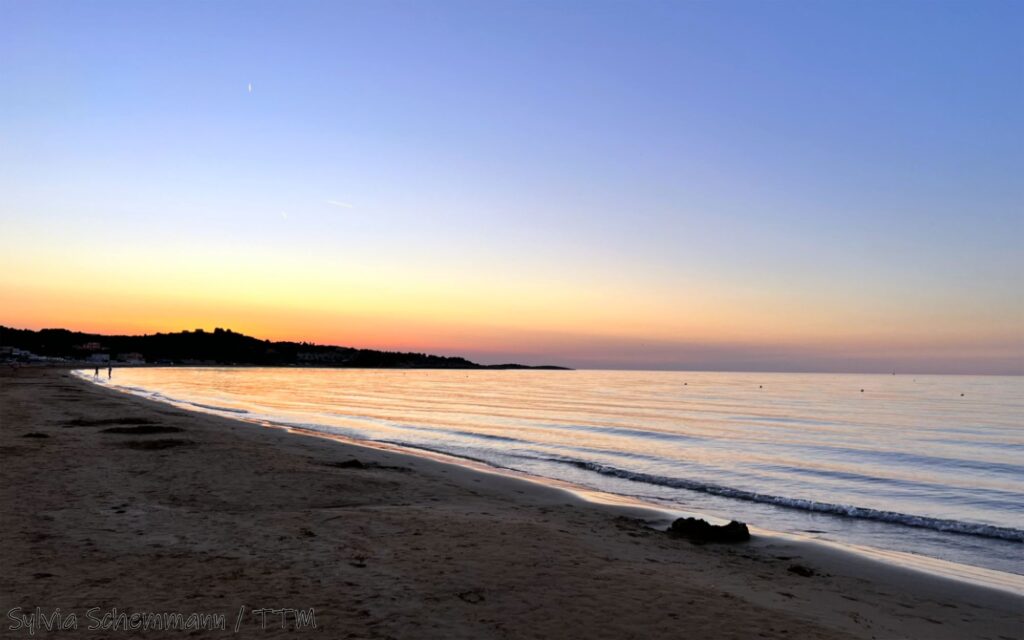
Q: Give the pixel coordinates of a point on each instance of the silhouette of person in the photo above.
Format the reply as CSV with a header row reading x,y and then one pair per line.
x,y
97,374
110,372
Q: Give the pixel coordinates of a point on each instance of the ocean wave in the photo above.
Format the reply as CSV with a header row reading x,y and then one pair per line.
x,y
850,511
622,431
213,407
913,459
451,452
462,434
133,390
999,446
991,496
160,397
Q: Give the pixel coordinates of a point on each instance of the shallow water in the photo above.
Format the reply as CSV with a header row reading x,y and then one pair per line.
x,y
908,464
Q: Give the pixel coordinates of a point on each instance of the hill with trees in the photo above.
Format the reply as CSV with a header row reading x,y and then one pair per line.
x,y
221,347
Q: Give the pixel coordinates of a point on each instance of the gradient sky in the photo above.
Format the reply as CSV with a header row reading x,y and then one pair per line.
x,y
729,185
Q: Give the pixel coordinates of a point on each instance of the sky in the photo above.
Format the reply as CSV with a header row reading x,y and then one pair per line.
x,y
791,186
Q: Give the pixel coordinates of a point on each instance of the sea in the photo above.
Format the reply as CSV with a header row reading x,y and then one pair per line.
x,y
921,465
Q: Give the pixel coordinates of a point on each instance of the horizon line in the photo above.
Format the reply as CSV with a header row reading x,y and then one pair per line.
x,y
666,369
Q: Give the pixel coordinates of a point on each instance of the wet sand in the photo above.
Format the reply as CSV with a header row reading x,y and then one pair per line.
x,y
120,502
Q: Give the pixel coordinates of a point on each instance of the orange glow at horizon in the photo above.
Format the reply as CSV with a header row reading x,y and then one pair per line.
x,y
457,310
535,327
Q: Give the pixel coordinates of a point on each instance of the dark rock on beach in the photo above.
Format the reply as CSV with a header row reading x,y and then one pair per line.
x,y
801,570
701,531
349,464
359,464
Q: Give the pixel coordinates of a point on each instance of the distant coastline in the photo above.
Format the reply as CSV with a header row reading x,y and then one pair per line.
x,y
220,347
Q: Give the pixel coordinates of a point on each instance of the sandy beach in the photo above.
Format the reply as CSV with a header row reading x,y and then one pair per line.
x,y
111,501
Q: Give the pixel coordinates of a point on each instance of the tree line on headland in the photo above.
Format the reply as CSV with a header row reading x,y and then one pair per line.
x,y
220,346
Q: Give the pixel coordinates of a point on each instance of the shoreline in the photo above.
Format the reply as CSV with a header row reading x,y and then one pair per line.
x,y
657,514
659,517
408,541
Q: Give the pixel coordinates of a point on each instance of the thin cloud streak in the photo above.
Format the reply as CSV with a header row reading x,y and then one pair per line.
x,y
338,203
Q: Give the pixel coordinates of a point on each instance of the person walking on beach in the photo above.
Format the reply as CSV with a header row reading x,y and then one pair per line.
x,y
110,372
97,374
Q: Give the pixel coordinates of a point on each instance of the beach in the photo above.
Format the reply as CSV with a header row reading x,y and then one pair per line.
x,y
111,501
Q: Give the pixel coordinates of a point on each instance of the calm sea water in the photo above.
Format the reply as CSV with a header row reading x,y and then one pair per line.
x,y
932,465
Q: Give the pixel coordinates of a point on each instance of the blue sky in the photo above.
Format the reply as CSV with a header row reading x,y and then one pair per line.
x,y
847,172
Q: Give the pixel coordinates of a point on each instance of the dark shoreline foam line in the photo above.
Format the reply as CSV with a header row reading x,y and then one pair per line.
x,y
850,511
462,456
213,407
